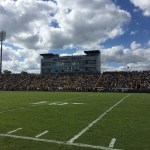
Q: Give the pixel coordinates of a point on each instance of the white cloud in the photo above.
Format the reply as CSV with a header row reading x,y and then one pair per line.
x,y
81,22
23,21
148,43
89,21
117,58
133,32
137,58
21,60
135,45
144,5
31,26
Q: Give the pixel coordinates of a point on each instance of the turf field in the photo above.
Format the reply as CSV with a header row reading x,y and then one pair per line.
x,y
74,121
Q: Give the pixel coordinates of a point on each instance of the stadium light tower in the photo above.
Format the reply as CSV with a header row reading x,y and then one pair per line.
x,y
2,38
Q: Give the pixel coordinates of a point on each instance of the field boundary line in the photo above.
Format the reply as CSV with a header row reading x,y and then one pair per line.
x,y
95,121
58,142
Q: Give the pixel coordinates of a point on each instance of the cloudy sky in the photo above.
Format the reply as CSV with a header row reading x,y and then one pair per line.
x,y
119,28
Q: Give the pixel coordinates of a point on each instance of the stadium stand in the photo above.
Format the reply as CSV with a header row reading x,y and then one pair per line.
x,y
108,81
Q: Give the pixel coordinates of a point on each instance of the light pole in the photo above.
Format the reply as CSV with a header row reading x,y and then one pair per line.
x,y
2,38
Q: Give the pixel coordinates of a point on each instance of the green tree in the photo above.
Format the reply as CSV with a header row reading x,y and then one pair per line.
x,y
7,72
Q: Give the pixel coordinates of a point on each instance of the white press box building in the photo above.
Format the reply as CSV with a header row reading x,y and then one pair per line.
x,y
53,63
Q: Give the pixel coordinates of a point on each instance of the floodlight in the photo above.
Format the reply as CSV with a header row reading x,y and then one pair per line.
x,y
2,35
2,38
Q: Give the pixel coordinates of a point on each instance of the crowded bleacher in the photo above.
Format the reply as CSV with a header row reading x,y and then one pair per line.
x,y
108,81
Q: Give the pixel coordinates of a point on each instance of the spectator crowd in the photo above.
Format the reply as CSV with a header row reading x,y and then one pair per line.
x,y
107,81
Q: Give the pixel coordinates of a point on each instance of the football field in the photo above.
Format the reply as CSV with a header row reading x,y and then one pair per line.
x,y
74,121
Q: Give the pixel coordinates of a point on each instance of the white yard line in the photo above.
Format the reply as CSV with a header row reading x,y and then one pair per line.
x,y
39,135
96,120
58,142
14,130
112,143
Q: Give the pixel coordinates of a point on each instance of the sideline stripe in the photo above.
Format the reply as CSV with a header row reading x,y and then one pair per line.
x,y
96,120
14,130
58,142
37,136
112,143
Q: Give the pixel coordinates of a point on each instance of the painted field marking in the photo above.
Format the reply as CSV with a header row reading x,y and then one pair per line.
x,y
39,135
96,120
11,109
112,143
33,105
78,103
64,103
22,108
2,112
14,130
58,142
58,103
41,102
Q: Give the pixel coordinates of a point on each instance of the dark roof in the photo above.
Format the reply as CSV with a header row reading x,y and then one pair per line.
x,y
92,52
49,55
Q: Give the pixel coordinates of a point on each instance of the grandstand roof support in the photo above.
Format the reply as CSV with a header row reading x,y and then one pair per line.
x,y
2,38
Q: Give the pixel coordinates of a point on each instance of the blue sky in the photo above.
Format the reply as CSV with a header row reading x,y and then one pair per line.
x,y
137,30
120,29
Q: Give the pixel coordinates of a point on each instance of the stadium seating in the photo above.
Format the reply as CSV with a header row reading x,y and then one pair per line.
x,y
107,81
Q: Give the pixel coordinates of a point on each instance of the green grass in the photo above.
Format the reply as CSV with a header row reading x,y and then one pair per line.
x,y
128,122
